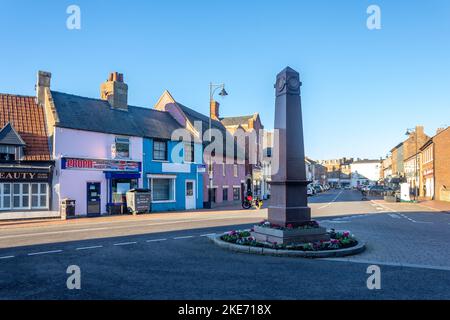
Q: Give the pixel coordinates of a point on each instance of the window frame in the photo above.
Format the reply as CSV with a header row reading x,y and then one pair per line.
x,y
192,152
151,179
160,141
125,141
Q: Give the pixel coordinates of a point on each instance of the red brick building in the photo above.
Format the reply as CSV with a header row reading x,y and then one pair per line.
x,y
441,143
25,160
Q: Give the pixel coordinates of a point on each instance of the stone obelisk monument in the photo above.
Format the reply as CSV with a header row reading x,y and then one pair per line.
x,y
288,198
288,203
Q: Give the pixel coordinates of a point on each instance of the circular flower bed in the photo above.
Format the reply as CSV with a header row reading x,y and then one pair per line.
x,y
306,225
338,240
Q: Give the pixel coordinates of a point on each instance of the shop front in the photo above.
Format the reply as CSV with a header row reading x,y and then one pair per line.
x,y
25,188
99,185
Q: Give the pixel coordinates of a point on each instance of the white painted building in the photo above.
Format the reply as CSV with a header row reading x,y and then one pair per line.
x,y
365,172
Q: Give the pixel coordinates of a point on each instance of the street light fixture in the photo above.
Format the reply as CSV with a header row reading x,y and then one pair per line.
x,y
223,93
410,132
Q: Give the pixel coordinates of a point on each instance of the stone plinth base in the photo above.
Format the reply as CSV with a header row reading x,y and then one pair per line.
x,y
290,236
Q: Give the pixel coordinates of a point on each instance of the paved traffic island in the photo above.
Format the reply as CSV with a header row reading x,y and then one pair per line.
x,y
339,243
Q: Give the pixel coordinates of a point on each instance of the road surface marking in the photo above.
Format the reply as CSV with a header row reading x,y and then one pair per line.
x,y
208,234
86,248
156,240
119,227
50,232
184,237
390,264
329,203
125,243
403,215
44,252
393,215
6,257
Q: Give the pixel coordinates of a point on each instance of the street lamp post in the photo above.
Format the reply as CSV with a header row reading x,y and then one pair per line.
x,y
409,132
212,90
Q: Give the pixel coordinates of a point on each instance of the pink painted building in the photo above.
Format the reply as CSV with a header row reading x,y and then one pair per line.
x,y
228,175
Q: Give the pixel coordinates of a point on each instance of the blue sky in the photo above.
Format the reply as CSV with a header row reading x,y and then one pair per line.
x,y
361,88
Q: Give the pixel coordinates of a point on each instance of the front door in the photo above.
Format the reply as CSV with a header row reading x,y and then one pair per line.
x,y
190,194
93,199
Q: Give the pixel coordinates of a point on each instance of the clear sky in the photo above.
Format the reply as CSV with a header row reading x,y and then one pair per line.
x,y
361,88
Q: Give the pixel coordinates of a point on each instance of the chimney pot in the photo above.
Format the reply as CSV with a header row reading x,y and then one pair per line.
x,y
115,91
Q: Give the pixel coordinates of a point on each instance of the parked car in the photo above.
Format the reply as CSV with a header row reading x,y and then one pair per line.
x,y
377,190
310,191
318,188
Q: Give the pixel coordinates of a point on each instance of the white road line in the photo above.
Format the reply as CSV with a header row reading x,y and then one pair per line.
x,y
329,203
44,252
208,234
393,215
156,240
6,257
86,248
184,237
390,264
124,243
403,215
120,227
50,232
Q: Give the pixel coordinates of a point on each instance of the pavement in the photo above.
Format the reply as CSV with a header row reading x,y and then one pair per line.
x,y
169,256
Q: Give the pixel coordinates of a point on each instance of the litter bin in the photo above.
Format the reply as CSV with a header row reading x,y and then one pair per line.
x,y
67,208
139,200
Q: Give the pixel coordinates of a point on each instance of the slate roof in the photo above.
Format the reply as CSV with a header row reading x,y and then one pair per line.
x,y
28,120
193,116
90,114
10,136
235,121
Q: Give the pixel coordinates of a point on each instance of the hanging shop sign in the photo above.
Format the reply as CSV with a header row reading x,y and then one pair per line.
x,y
100,164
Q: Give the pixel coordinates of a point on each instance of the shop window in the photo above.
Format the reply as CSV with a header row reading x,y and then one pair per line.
x,y
225,194
120,188
236,193
122,147
159,150
189,152
163,189
38,195
23,196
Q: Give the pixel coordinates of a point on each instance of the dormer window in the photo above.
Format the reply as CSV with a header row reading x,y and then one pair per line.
x,y
11,144
10,153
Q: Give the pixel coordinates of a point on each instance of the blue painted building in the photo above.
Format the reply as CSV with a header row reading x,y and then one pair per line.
x,y
173,172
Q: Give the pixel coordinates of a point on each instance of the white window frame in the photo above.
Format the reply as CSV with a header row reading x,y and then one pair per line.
x,y
122,142
193,152
235,171
150,178
21,195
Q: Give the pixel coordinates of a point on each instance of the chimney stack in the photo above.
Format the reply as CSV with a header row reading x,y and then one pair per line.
x,y
214,109
43,81
115,91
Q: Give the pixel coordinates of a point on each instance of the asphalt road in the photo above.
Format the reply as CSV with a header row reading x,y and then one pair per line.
x,y
170,257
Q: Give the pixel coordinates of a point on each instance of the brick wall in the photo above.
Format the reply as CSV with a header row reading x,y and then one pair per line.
x,y
442,165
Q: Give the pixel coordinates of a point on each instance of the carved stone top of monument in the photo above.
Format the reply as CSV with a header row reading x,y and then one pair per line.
x,y
288,82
